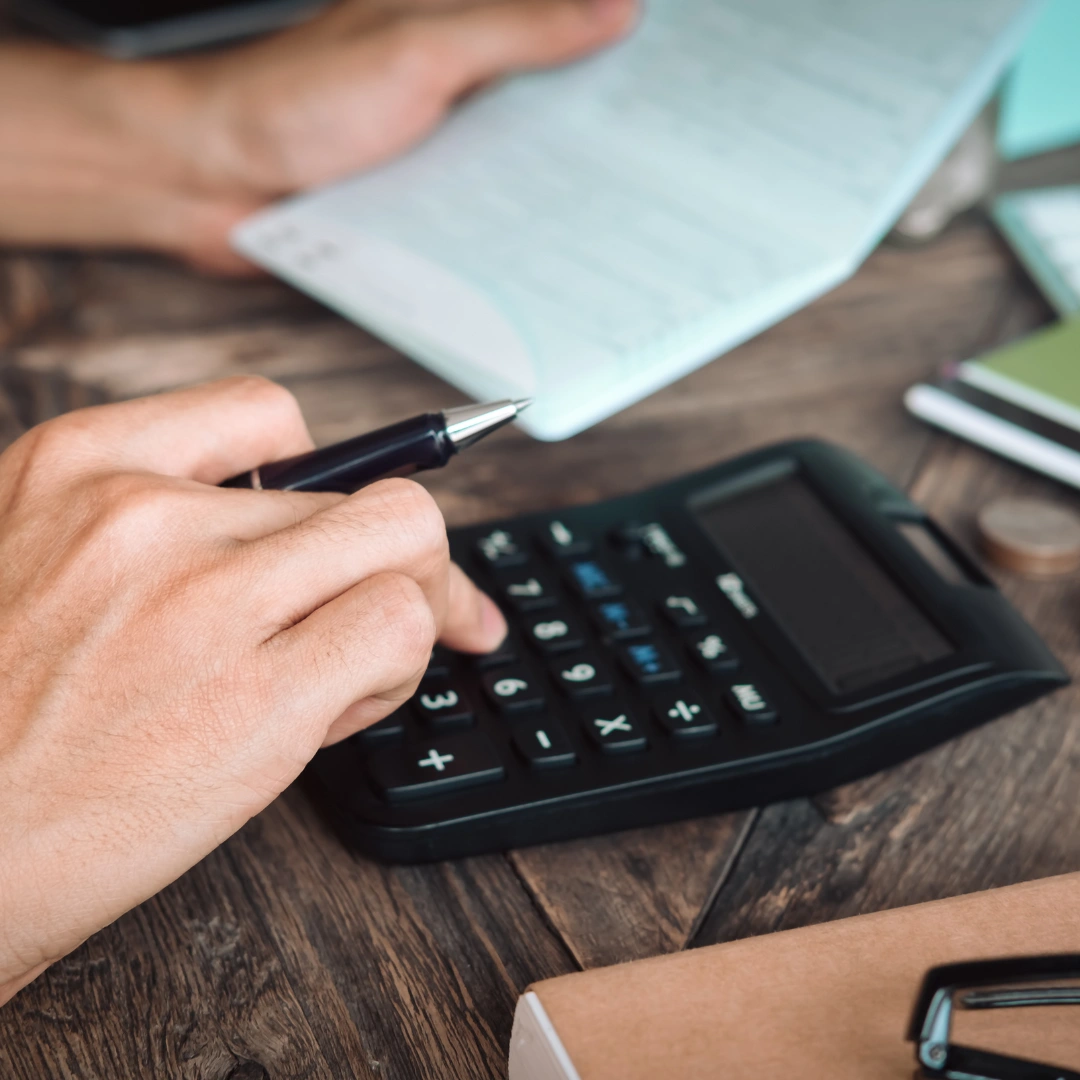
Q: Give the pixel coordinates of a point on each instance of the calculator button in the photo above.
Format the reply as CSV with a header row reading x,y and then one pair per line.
x,y
389,729
499,548
682,610
401,773
620,619
439,664
651,539
581,675
684,716
750,704
512,689
649,663
506,653
712,651
614,730
561,540
543,744
526,591
591,580
629,540
441,705
553,632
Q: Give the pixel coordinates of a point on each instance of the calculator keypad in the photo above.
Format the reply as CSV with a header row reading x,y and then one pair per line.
x,y
598,669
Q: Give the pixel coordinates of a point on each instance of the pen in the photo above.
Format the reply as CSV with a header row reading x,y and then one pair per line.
x,y
427,441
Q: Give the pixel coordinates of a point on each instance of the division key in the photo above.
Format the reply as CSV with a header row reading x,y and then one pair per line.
x,y
435,766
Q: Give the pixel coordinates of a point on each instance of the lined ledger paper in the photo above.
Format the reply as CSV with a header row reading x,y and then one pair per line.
x,y
588,235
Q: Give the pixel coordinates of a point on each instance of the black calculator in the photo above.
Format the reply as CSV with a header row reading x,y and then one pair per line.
x,y
769,627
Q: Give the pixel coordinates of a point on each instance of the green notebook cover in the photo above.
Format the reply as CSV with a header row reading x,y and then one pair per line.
x,y
1040,373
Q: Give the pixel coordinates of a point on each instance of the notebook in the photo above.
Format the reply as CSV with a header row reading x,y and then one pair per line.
x,y
1022,401
1040,106
1043,228
588,235
826,1002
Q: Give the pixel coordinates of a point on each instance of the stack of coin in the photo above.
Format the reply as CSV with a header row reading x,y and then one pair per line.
x,y
1033,537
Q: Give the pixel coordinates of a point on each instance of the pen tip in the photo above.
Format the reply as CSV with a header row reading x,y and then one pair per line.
x,y
523,403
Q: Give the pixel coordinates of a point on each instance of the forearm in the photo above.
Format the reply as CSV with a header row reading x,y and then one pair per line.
x,y
93,153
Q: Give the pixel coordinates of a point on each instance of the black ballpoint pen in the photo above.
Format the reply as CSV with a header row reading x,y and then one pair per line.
x,y
427,441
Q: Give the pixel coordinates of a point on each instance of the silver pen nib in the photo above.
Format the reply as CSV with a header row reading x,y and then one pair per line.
x,y
468,424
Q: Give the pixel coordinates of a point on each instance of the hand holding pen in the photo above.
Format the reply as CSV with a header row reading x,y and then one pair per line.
x,y
172,653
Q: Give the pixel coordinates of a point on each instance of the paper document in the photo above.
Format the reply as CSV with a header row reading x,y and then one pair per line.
x,y
586,236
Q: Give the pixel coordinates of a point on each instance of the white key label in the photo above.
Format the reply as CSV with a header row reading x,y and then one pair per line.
x,y
497,543
548,631
579,673
510,687
436,760
682,710
748,697
606,727
711,647
560,534
682,603
532,587
435,702
731,585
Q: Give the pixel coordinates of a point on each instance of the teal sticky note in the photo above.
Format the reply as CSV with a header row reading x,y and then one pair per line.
x,y
1041,104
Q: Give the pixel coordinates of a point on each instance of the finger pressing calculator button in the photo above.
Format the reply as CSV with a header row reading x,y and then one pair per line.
x,y
561,540
649,663
526,591
402,773
684,716
750,704
553,632
543,744
682,610
618,619
512,689
580,675
506,653
500,548
591,580
711,650
614,730
441,705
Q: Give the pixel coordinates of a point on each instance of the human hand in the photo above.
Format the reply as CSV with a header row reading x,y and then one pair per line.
x,y
170,154
173,653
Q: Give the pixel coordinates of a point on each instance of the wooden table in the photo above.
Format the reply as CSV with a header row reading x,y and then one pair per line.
x,y
283,955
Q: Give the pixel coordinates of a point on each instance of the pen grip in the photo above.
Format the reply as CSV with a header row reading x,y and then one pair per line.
x,y
417,443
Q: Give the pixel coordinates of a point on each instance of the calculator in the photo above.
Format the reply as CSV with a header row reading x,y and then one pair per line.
x,y
770,627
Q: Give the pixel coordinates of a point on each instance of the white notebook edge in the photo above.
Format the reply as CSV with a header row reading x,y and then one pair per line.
x,y
536,1051
1008,216
941,409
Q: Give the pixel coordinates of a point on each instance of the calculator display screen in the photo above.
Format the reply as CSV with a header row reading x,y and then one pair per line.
x,y
832,599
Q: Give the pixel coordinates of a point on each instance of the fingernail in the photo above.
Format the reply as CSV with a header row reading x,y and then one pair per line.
x,y
492,621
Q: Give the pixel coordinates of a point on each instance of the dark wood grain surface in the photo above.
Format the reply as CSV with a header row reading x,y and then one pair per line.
x,y
283,955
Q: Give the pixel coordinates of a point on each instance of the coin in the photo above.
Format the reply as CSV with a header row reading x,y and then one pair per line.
x,y
1030,536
